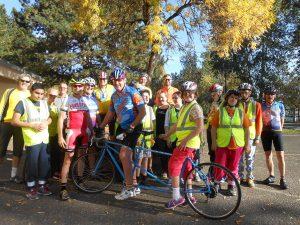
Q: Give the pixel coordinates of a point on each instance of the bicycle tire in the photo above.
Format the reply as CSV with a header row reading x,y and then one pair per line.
x,y
93,181
209,199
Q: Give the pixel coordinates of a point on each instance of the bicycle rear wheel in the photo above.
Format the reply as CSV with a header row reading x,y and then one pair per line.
x,y
92,176
211,191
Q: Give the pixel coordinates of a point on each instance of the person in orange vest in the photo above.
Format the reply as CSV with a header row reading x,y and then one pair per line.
x,y
253,110
167,88
230,136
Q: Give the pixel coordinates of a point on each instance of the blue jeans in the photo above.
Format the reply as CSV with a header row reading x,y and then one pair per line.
x,y
38,164
249,158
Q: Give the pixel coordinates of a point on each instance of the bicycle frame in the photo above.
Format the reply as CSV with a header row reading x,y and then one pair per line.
x,y
109,149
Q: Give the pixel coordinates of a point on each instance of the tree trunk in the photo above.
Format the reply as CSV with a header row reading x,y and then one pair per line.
x,y
151,63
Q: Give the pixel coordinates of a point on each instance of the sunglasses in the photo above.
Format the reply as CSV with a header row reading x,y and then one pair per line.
x,y
102,79
25,81
52,96
90,85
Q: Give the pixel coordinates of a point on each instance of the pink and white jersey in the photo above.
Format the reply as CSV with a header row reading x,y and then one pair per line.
x,y
77,111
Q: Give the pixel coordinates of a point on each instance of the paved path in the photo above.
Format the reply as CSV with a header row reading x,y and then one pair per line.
x,y
262,205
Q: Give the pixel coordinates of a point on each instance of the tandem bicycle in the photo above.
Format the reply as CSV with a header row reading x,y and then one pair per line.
x,y
94,172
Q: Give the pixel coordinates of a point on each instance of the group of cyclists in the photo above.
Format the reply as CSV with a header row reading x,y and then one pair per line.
x,y
53,123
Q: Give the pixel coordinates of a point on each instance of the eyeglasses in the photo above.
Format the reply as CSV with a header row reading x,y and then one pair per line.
x,y
25,81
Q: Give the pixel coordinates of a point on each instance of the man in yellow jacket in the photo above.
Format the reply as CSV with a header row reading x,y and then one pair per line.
x,y
8,103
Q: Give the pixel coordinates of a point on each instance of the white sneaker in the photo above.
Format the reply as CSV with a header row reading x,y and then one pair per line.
x,y
136,191
125,194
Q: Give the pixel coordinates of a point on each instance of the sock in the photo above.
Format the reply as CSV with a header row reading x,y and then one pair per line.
x,y
63,186
14,171
176,193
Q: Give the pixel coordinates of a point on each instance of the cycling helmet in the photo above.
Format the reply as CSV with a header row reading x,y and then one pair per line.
x,y
89,80
76,81
189,86
245,86
216,87
102,75
117,74
230,92
270,90
144,75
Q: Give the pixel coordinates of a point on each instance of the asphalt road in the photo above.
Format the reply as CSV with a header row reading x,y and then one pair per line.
x,y
261,205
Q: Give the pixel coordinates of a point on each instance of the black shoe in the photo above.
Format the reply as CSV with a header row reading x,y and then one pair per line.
x,y
269,180
283,185
16,180
64,195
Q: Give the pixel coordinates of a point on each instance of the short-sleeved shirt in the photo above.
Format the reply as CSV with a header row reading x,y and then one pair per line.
x,y
103,95
60,102
20,106
215,123
78,113
169,91
52,128
272,115
92,105
14,98
126,105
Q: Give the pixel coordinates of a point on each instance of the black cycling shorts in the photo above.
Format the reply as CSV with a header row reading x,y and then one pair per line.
x,y
269,137
131,139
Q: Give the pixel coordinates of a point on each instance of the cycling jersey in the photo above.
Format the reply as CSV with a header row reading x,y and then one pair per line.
x,y
272,115
125,104
92,105
77,122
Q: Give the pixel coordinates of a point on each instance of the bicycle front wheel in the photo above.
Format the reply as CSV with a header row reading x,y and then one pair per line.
x,y
91,175
212,191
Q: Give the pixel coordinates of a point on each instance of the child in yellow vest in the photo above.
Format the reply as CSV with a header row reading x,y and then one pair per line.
x,y
230,136
188,129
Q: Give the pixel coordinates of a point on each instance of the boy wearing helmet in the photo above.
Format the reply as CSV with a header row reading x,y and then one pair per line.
x,y
187,129
253,110
103,94
129,108
273,114
78,124
216,91
230,137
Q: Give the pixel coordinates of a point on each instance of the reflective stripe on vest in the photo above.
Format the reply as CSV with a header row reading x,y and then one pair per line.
x,y
251,113
173,118
185,126
32,115
230,127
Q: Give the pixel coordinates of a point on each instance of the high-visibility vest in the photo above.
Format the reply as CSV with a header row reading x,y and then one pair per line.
x,y
230,126
32,115
251,113
185,126
148,126
173,118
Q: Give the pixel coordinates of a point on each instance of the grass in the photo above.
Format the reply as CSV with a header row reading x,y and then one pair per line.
x,y
290,131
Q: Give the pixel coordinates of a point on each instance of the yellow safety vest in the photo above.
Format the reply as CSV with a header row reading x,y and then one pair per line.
x,y
148,126
230,126
32,115
251,112
173,120
185,126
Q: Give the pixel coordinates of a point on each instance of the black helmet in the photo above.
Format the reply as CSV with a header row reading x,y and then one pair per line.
x,y
270,90
230,92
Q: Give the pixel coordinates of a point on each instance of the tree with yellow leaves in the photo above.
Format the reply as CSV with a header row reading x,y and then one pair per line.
x,y
229,22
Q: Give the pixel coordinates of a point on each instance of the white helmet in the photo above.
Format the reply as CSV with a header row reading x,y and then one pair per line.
x,y
189,86
89,80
